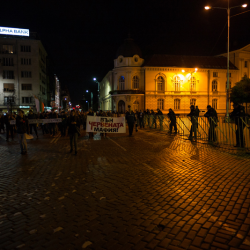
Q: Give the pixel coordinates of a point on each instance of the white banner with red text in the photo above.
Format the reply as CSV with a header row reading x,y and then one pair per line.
x,y
101,124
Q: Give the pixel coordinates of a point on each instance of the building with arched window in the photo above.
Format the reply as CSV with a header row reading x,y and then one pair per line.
x,y
169,81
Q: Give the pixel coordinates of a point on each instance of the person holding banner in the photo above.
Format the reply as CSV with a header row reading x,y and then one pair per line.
x,y
130,117
74,130
32,116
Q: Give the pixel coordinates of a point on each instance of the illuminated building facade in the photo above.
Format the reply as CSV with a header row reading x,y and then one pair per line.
x,y
22,71
166,81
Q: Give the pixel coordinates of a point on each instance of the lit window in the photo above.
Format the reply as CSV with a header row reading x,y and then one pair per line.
x,y
215,74
160,104
8,87
214,103
122,83
177,103
193,84
8,49
214,85
9,99
192,102
160,83
135,82
177,81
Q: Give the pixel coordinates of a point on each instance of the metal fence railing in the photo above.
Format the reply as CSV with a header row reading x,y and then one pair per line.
x,y
232,132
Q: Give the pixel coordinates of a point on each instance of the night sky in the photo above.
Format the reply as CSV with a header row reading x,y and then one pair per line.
x,y
81,37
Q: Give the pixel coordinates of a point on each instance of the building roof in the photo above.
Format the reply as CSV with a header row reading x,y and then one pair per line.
x,y
206,62
128,49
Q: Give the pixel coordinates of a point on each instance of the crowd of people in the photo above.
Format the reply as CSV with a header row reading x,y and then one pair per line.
x,y
72,121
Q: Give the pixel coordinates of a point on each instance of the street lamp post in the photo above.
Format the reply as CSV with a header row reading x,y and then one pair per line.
x,y
91,98
88,105
94,79
228,26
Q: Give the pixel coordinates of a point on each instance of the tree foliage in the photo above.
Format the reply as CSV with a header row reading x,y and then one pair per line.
x,y
240,93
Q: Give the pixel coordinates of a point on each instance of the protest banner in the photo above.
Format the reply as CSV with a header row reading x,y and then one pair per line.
x,y
101,124
35,121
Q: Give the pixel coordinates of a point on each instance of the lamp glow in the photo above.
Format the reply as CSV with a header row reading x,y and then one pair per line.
x,y
196,69
94,79
87,91
183,70
244,5
207,7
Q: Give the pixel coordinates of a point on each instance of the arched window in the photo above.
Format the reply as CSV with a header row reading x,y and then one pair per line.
x,y
214,85
192,83
160,83
192,102
135,82
177,81
214,103
177,103
122,83
230,86
160,104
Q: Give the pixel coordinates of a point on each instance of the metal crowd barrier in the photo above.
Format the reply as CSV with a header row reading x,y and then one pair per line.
x,y
221,131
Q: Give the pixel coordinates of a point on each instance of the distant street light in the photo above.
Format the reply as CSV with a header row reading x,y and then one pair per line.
x,y
228,26
88,105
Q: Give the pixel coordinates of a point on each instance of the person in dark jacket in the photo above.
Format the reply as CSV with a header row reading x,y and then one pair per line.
x,y
172,118
9,128
141,119
238,115
211,114
74,128
21,123
32,116
130,117
194,121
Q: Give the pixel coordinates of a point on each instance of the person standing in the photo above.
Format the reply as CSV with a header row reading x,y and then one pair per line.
x,y
141,119
21,123
172,118
238,115
32,116
211,114
194,121
130,117
74,130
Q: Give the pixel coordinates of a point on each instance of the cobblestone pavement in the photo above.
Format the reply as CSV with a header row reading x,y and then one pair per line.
x,y
150,191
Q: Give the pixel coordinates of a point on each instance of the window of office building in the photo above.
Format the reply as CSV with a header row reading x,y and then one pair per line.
x,y
26,86
25,61
177,83
177,103
135,82
160,104
214,103
26,74
26,100
8,49
160,83
8,74
25,48
193,84
9,100
122,83
8,87
8,61
192,102
214,85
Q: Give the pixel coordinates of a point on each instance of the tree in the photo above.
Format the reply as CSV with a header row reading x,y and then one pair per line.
x,y
240,93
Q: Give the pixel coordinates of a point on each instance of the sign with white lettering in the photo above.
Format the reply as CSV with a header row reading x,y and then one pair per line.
x,y
14,31
101,124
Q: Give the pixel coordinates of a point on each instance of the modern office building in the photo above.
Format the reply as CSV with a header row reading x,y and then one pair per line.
x,y
23,78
